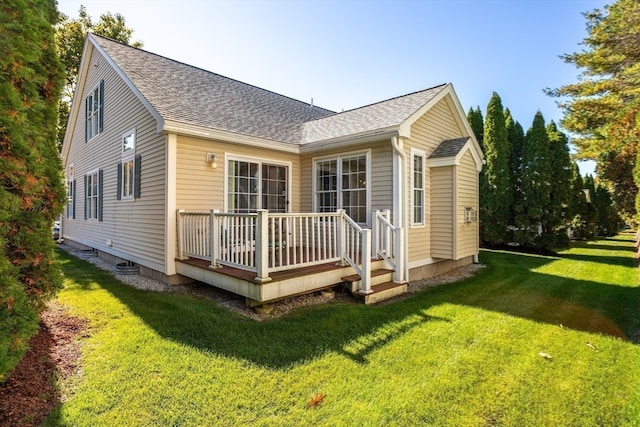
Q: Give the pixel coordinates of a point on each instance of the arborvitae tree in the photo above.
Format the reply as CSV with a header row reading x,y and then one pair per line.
x,y
31,189
561,173
477,123
533,211
609,221
495,186
515,135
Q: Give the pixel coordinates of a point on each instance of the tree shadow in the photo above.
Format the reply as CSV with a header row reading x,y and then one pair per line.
x,y
509,285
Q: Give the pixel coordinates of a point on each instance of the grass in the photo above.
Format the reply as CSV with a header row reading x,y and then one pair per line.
x,y
460,354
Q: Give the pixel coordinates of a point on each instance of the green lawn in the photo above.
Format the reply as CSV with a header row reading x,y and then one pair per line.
x,y
460,354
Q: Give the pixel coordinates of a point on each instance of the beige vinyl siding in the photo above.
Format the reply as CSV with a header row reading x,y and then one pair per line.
x,y
442,198
381,173
436,125
467,180
201,187
135,228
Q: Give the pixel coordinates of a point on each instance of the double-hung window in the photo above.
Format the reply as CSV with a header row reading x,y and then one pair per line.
x,y
417,187
71,193
342,183
93,191
94,111
129,168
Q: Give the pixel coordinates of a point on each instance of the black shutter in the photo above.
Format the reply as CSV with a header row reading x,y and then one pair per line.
x,y
100,195
73,200
100,111
119,189
136,172
86,119
86,194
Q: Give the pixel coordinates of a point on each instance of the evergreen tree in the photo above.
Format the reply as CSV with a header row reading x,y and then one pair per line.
x,y
31,189
477,123
515,136
495,186
533,211
561,174
609,222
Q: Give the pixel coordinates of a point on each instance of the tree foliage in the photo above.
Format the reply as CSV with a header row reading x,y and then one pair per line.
x,y
31,189
70,36
515,136
476,122
495,197
561,174
603,107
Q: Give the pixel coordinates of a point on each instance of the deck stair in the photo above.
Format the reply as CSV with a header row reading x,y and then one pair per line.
x,y
382,285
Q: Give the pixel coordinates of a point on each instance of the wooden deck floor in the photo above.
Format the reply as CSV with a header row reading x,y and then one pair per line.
x,y
249,276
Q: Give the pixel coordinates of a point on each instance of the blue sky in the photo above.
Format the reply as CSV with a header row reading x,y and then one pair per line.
x,y
345,54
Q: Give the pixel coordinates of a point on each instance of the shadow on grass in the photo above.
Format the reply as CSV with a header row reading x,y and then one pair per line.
x,y
354,330
509,285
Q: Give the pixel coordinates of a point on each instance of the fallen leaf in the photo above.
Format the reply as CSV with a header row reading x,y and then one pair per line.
x,y
591,346
316,400
545,355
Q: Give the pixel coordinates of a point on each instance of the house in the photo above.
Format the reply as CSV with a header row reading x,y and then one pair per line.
x,y
190,175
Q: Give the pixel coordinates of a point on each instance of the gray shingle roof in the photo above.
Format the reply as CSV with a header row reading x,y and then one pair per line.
x,y
449,148
190,95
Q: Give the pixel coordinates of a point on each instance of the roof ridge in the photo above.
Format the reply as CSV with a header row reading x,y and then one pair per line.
x,y
211,72
379,102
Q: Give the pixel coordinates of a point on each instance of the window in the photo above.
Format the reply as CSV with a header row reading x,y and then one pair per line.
x,y
417,187
253,185
341,183
93,194
470,215
129,168
93,111
71,193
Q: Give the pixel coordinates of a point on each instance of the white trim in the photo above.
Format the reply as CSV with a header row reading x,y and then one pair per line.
x,y
170,183
128,82
135,143
95,114
338,157
230,137
414,152
262,160
348,141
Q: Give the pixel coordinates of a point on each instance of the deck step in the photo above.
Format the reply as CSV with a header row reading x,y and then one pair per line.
x,y
378,276
384,291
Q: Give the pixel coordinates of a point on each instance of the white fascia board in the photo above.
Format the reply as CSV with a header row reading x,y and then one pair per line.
x,y
186,129
346,141
405,127
75,102
129,83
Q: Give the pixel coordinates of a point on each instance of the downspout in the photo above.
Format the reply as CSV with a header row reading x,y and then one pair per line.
x,y
399,203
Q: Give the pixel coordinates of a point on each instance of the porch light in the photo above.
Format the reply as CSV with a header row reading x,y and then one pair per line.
x,y
211,158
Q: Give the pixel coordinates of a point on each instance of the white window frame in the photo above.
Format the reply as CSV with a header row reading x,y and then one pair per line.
x,y
338,158
418,222
470,214
127,191
70,191
89,197
260,161
92,121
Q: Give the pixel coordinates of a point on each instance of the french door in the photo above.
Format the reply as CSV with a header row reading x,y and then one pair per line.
x,y
257,185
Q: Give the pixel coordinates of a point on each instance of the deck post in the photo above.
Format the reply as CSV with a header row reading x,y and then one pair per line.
x,y
262,246
375,232
398,275
180,226
214,238
365,275
341,236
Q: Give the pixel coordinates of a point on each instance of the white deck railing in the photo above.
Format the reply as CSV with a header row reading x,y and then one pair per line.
x,y
388,242
266,242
